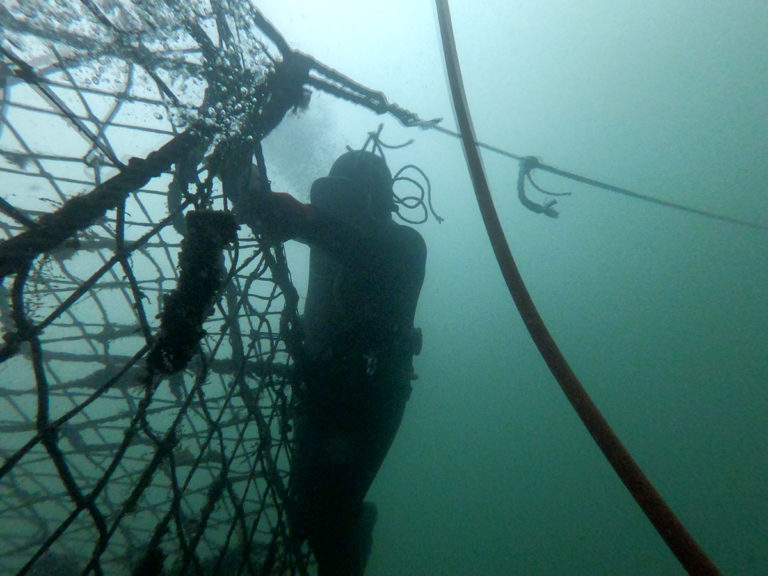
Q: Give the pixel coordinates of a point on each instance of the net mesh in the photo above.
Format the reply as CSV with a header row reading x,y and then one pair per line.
x,y
144,426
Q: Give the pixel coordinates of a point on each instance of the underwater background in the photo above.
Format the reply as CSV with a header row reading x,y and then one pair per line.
x,y
663,315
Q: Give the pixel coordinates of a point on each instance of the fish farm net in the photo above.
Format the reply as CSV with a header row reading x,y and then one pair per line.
x,y
149,344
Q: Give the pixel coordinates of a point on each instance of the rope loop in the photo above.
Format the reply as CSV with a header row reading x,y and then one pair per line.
x,y
527,164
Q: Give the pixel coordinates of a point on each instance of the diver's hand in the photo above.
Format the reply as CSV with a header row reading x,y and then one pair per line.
x,y
279,216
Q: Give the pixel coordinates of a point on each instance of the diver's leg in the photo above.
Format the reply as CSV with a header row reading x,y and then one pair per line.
x,y
326,511
364,537
379,417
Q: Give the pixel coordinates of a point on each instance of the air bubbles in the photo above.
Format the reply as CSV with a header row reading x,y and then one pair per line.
x,y
178,120
95,159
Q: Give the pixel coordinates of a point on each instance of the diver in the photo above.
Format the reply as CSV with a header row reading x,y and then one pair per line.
x,y
365,275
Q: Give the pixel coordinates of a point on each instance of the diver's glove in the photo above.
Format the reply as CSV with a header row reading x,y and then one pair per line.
x,y
280,217
276,216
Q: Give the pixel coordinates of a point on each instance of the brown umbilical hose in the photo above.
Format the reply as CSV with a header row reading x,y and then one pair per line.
x,y
682,544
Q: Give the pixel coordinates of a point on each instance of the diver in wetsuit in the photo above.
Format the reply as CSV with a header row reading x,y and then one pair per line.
x,y
366,273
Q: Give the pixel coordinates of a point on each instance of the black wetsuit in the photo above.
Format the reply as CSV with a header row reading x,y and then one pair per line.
x,y
365,279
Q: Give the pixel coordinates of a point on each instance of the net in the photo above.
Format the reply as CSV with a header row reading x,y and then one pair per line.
x,y
147,357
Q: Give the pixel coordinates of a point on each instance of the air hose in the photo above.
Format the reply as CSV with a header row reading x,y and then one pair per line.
x,y
682,544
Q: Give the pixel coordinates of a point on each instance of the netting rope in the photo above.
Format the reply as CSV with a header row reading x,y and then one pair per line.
x,y
145,430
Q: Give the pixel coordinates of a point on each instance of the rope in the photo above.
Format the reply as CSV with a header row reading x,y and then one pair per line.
x,y
410,202
529,163
682,544
413,202
28,74
110,466
335,83
81,212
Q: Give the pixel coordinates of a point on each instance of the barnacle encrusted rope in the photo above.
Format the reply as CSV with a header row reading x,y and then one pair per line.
x,y
281,92
100,472
201,265
82,211
682,544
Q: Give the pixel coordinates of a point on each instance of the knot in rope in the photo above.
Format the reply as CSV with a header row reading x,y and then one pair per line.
x,y
527,164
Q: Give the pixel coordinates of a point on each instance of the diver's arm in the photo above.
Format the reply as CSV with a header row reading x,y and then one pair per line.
x,y
278,217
